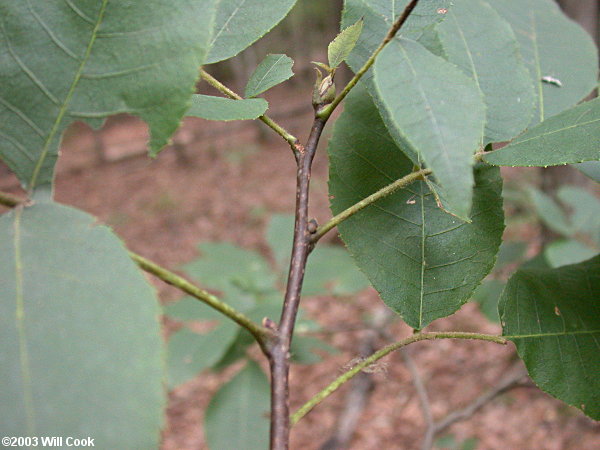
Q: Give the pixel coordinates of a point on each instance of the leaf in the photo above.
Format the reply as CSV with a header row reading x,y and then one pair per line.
x,y
237,416
566,252
378,17
189,353
586,210
569,137
510,253
424,263
590,169
239,23
225,109
81,350
484,47
61,62
239,274
236,350
330,269
422,94
274,69
553,317
339,49
552,45
550,213
487,295
279,236
189,309
303,349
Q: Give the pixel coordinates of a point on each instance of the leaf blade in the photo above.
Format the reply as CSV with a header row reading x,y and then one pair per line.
x,y
364,158
571,136
421,93
379,15
484,47
555,46
339,49
190,353
63,322
226,109
273,70
552,316
85,80
237,415
239,23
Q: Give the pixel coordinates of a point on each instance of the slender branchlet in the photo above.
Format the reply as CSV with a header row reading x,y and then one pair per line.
x,y
263,335
286,135
365,363
325,112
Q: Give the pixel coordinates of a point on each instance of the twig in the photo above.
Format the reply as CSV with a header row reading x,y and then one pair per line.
x,y
348,375
262,335
289,137
11,201
280,352
423,398
381,193
326,112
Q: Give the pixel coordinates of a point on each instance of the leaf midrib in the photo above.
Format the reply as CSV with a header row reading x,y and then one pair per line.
x,y
70,93
260,82
558,333
539,136
231,16
20,325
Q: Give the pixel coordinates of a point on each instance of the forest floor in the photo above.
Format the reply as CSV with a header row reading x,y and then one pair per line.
x,y
225,189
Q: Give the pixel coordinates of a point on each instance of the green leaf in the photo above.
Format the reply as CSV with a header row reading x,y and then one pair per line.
x,y
569,137
189,353
239,274
590,169
553,317
339,49
510,253
378,17
487,295
424,262
190,309
303,349
330,269
237,416
225,109
239,23
550,213
423,93
586,210
279,235
236,350
274,69
432,42
484,47
81,351
566,252
552,46
61,62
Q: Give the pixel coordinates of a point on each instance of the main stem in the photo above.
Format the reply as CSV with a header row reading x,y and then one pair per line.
x,y
279,351
279,357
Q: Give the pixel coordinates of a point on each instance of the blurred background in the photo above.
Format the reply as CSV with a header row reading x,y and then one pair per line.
x,y
222,182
